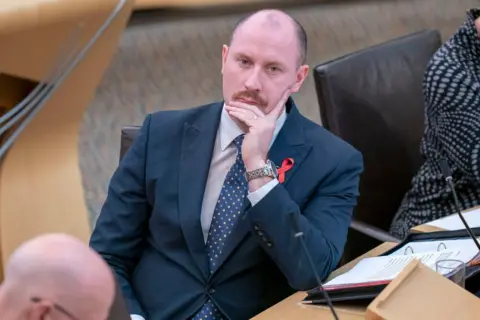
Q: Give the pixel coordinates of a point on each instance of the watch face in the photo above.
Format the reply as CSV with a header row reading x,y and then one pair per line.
x,y
273,167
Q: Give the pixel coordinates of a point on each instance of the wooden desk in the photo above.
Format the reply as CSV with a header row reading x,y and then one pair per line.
x,y
426,228
291,309
156,4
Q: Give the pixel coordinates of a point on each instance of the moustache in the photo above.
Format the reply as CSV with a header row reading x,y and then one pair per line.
x,y
250,96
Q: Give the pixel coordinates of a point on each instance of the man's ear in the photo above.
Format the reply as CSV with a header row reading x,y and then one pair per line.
x,y
224,55
302,74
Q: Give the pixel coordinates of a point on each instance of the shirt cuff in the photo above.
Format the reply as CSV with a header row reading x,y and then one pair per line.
x,y
136,317
259,194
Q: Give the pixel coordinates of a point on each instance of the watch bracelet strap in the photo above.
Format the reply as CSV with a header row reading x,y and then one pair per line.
x,y
258,173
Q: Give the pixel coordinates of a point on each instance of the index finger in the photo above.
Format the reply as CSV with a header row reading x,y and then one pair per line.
x,y
252,108
277,110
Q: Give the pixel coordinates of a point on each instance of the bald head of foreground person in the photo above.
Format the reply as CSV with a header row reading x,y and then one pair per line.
x,y
56,276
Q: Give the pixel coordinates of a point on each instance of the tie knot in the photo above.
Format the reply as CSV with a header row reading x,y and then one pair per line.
x,y
238,142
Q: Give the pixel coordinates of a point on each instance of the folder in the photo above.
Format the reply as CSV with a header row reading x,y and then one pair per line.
x,y
366,291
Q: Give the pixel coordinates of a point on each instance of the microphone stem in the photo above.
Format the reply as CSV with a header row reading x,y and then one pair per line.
x,y
455,199
310,261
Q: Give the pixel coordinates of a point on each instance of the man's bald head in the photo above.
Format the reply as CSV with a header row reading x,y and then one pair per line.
x,y
276,19
53,272
265,59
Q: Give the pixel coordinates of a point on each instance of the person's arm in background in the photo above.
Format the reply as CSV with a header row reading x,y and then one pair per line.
x,y
119,231
453,113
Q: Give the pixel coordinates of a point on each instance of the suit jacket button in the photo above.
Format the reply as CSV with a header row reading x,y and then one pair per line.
x,y
256,227
260,233
211,291
269,244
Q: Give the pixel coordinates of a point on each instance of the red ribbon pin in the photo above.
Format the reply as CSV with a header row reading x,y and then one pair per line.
x,y
287,164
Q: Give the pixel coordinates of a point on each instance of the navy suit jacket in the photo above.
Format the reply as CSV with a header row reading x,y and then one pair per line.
x,y
149,228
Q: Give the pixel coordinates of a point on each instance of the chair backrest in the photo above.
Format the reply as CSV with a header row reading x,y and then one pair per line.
x,y
129,134
373,99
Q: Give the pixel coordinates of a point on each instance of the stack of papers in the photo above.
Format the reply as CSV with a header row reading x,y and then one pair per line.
x,y
453,221
381,270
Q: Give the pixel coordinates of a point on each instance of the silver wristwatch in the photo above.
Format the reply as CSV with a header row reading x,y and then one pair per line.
x,y
268,170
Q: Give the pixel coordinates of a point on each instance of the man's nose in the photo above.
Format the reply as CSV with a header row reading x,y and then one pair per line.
x,y
253,82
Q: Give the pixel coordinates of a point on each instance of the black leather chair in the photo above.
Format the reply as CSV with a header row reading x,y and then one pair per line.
x,y
129,134
119,310
373,99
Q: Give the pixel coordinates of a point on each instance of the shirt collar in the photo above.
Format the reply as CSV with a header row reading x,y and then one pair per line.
x,y
229,130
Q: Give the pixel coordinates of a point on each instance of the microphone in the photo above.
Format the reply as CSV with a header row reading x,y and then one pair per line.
x,y
447,174
299,234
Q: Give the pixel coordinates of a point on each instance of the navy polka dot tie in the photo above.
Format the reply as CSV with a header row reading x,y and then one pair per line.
x,y
227,211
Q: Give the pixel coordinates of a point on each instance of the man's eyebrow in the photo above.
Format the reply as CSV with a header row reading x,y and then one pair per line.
x,y
267,63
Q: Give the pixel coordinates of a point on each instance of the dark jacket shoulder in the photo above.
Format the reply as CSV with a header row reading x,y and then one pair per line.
x,y
169,119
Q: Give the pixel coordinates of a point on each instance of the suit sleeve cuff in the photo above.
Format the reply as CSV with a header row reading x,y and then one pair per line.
x,y
259,194
136,317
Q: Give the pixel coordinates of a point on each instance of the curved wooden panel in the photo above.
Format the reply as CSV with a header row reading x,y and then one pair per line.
x,y
40,181
154,4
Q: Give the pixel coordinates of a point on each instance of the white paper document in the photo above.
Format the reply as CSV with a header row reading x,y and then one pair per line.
x,y
453,221
465,245
386,268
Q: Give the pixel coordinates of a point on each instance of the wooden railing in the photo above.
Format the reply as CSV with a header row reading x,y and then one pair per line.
x,y
152,4
53,56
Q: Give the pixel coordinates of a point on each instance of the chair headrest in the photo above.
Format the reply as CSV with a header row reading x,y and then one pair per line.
x,y
129,134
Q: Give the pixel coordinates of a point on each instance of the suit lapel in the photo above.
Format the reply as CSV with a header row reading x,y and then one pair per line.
x,y
290,143
197,148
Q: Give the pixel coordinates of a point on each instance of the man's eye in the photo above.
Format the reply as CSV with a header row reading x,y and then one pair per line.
x,y
273,69
244,62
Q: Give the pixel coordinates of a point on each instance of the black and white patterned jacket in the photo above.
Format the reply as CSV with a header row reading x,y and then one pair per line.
x,y
452,130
